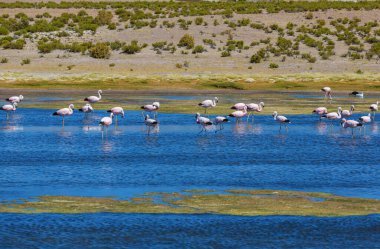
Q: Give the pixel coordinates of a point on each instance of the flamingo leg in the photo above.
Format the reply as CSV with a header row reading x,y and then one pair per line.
x,y
63,120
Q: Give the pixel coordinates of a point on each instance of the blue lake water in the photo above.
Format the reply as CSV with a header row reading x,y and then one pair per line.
x,y
39,157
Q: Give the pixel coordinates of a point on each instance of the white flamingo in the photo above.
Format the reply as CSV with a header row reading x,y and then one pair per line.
x,y
203,121
94,99
151,108
350,124
348,113
219,122
105,123
15,99
238,115
252,107
365,120
327,91
238,106
9,108
281,119
320,111
117,111
150,122
209,103
87,108
374,108
333,115
64,112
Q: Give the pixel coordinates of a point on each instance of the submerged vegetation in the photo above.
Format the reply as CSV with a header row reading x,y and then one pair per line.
x,y
231,202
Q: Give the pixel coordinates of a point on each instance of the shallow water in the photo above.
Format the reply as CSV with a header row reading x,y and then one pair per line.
x,y
190,231
39,157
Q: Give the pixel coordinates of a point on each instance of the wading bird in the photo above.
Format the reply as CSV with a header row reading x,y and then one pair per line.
x,y
105,123
374,108
209,103
9,108
333,115
350,124
15,99
87,108
365,120
238,106
94,99
64,112
281,119
320,111
203,122
327,91
348,113
252,107
219,122
117,111
150,122
357,94
238,115
151,108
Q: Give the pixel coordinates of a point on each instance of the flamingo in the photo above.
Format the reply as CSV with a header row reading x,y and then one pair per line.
x,y
150,122
87,108
333,115
350,124
281,119
238,106
9,108
374,108
348,113
94,99
357,94
365,120
15,99
209,103
239,114
320,111
116,112
151,108
252,107
203,121
64,112
327,91
219,121
105,122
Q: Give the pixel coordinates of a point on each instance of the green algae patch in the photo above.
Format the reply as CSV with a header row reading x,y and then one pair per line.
x,y
230,202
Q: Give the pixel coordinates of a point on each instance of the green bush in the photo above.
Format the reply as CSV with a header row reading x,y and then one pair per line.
x,y
273,65
133,47
186,41
18,44
198,49
104,17
47,47
256,58
198,21
4,60
100,51
226,53
3,30
25,61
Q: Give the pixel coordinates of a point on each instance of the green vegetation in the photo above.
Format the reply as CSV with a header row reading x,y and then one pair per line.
x,y
231,202
25,61
186,41
133,47
100,51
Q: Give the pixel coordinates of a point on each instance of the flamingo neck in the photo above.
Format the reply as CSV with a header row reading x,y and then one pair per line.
x,y
275,116
100,96
339,113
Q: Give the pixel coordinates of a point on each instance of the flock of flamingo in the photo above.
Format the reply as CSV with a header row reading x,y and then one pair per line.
x,y
241,110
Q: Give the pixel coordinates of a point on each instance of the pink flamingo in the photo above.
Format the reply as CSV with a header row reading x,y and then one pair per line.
x,y
117,111
15,99
151,108
219,121
350,124
365,120
209,103
64,112
106,122
374,108
320,111
333,115
252,107
150,122
281,119
9,108
87,108
238,106
348,113
94,99
238,115
327,91
203,121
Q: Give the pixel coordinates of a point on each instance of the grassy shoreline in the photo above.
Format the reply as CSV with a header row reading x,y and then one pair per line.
x,y
230,202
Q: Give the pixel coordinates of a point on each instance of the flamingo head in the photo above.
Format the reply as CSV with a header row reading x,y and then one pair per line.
x,y
147,117
111,115
197,115
274,113
21,97
353,107
262,104
216,99
71,106
100,91
343,121
156,104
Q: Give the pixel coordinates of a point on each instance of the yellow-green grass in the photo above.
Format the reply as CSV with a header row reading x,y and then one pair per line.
x,y
231,202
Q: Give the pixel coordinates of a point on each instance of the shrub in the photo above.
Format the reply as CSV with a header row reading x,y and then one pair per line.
x,y
198,49
273,65
100,51
18,44
4,60
133,47
3,30
309,16
198,21
47,47
256,58
186,41
112,26
25,61
111,65
226,53
69,67
116,45
103,17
